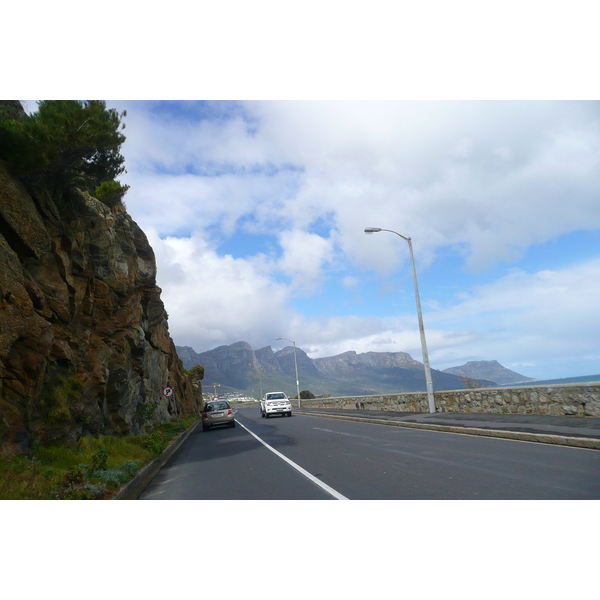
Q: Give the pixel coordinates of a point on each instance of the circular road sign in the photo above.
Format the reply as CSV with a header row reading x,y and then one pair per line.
x,y
168,392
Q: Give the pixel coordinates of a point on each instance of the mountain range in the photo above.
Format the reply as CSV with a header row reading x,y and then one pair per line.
x,y
239,368
488,369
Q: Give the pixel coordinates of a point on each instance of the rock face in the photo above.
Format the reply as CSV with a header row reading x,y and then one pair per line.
x,y
84,340
234,364
491,370
349,361
285,360
267,360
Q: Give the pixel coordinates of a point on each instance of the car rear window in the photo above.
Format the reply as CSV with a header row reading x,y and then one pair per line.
x,y
216,406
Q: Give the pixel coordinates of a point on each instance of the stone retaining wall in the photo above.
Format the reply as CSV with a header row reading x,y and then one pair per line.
x,y
556,400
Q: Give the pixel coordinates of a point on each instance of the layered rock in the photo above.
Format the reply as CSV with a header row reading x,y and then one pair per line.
x,y
285,359
267,360
84,340
236,364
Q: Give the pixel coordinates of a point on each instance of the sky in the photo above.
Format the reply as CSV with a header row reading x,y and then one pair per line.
x,y
256,212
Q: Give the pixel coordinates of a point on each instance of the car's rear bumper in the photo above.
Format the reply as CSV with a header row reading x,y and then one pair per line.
x,y
210,422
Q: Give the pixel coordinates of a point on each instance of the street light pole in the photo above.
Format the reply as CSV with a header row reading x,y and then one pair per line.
x,y
428,382
296,365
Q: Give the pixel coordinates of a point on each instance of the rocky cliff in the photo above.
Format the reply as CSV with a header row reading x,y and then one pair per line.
x,y
84,341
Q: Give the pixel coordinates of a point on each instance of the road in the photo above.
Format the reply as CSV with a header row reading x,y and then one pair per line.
x,y
312,458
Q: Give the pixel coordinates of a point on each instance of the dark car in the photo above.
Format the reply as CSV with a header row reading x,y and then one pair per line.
x,y
217,412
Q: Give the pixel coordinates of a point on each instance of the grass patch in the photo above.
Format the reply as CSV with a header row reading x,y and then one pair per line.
x,y
92,468
59,397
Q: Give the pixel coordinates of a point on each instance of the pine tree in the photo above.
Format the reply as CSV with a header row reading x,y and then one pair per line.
x,y
65,143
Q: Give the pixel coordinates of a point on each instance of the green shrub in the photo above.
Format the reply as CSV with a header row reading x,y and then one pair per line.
x,y
60,394
197,372
145,412
82,491
155,442
110,192
131,467
114,477
100,459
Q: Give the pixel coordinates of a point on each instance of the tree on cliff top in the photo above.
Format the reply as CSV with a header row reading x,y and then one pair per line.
x,y
66,143
197,373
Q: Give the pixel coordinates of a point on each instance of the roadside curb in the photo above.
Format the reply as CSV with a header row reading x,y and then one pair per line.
x,y
131,490
541,438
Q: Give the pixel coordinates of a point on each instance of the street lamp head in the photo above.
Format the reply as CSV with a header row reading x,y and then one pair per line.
x,y
372,229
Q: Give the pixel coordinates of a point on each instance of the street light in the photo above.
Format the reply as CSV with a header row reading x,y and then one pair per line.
x,y
430,397
296,365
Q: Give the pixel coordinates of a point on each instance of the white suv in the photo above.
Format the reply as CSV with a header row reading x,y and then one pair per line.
x,y
275,403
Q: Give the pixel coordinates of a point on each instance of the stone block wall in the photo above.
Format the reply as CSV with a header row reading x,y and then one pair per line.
x,y
556,400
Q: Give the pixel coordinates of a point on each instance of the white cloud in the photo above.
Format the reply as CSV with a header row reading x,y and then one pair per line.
x,y
486,180
490,175
550,315
214,300
304,255
350,281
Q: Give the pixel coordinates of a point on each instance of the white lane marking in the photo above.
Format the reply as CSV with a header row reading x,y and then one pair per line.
x,y
298,468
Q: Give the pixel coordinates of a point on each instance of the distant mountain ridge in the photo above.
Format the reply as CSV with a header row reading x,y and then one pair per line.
x,y
488,369
348,360
238,367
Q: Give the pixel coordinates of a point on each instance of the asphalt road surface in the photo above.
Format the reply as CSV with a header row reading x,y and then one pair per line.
x,y
312,458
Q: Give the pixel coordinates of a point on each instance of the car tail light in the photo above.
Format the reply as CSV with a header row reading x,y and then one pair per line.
x,y
204,415
230,412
